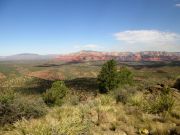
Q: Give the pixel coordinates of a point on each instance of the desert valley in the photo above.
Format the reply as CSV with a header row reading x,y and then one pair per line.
x,y
136,106
89,67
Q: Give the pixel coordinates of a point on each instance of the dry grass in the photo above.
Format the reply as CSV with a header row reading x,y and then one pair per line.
x,y
93,117
86,113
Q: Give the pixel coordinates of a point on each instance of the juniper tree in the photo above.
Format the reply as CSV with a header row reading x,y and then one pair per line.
x,y
108,77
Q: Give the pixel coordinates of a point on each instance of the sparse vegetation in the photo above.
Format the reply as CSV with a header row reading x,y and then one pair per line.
x,y
74,106
14,107
163,102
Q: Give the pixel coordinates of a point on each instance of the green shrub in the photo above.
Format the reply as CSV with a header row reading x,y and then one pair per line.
x,y
6,107
125,76
6,96
14,107
108,77
56,93
30,107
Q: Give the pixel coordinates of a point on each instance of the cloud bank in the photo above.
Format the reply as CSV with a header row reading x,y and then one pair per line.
x,y
177,5
149,40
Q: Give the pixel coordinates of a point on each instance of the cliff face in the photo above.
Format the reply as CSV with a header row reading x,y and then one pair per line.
x,y
120,56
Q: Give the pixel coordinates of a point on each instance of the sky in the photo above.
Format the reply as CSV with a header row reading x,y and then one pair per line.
x,y
64,26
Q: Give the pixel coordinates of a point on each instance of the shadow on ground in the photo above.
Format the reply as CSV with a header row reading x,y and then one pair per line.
x,y
59,65
152,64
84,84
37,86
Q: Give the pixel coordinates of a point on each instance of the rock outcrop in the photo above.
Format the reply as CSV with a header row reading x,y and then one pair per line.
x,y
120,56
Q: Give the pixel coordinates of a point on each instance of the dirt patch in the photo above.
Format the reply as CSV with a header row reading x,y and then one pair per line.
x,y
46,74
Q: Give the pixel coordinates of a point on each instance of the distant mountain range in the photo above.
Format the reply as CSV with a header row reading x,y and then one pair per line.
x,y
121,56
27,56
95,56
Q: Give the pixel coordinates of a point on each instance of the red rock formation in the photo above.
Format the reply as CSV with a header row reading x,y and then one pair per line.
x,y
120,56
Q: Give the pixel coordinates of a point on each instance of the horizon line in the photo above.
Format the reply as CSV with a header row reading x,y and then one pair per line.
x,y
29,53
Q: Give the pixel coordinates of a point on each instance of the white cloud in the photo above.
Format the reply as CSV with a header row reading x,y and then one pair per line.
x,y
146,36
149,40
177,5
88,47
91,46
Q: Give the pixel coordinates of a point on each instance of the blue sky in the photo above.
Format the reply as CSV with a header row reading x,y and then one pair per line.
x,y
63,26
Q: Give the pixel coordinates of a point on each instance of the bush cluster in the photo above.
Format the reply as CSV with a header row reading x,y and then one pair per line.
x,y
152,103
14,107
55,94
